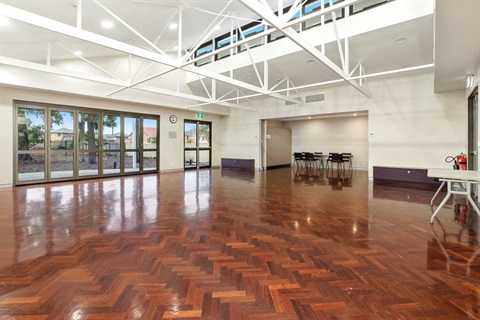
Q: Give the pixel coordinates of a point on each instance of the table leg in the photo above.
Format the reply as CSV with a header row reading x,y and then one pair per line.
x,y
449,185
436,193
469,197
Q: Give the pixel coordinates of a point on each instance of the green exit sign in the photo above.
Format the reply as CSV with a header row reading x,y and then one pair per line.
x,y
199,115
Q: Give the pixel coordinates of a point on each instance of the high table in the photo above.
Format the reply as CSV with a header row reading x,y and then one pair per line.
x,y
451,177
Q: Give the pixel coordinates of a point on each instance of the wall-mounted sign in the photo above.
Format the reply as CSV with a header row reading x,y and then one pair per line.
x,y
199,115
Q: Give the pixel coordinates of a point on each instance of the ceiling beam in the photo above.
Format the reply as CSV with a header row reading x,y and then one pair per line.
x,y
61,28
268,31
268,15
114,82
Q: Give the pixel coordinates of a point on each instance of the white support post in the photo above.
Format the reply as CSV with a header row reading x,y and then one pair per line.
x,y
347,42
130,79
322,23
232,48
214,89
180,32
49,54
265,74
79,14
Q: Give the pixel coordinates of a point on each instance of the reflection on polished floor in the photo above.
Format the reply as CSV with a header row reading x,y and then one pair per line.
x,y
234,245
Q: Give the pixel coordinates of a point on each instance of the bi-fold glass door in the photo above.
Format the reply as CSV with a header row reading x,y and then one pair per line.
x,y
57,143
198,144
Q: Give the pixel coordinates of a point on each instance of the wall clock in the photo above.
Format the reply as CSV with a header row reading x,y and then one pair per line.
x,y
173,118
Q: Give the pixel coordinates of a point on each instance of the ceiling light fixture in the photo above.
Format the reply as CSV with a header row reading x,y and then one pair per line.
x,y
107,24
310,61
354,114
78,53
173,26
4,21
401,40
470,81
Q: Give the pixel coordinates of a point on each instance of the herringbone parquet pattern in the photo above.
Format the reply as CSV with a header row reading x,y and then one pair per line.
x,y
231,245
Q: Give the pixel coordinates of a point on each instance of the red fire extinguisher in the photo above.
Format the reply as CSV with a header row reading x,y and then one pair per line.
x,y
459,161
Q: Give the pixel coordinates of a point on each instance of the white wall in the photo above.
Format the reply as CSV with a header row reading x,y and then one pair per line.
x,y
240,134
171,150
408,124
341,134
412,126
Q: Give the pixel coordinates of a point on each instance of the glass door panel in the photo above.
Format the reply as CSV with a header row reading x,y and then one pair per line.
x,y
132,133
131,161
111,162
190,134
61,130
204,158
111,132
111,144
197,142
62,144
203,135
88,144
61,165
190,159
150,138
31,152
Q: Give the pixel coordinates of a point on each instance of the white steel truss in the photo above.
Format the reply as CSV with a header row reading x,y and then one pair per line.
x,y
185,58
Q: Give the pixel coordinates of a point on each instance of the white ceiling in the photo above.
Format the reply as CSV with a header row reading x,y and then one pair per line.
x,y
456,52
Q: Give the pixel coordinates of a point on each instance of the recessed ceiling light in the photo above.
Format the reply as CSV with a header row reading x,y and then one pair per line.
x,y
78,53
173,26
175,47
401,40
310,61
107,24
309,118
354,114
4,21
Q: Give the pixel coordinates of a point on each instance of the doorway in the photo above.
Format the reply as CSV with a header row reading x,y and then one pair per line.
x,y
472,159
197,144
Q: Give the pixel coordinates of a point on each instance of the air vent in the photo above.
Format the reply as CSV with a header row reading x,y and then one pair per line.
x,y
289,103
308,99
315,98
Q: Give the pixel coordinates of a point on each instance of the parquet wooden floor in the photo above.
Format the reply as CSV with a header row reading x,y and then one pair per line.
x,y
219,244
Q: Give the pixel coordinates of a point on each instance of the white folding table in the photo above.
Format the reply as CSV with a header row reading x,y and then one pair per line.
x,y
450,177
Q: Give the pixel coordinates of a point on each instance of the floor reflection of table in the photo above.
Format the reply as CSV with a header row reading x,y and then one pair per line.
x,y
451,177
